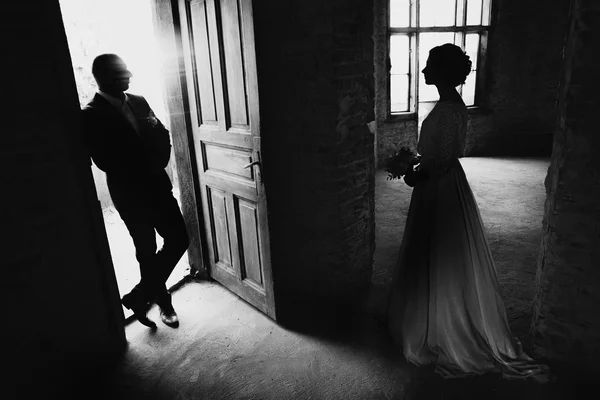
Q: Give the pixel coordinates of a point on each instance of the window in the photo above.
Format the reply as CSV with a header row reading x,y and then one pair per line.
x,y
414,28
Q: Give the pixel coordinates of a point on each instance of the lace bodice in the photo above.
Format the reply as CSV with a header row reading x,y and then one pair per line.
x,y
442,138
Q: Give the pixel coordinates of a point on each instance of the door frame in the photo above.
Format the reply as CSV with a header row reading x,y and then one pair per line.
x,y
173,81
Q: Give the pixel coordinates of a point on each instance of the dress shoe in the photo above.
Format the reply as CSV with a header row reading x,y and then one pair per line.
x,y
139,310
169,316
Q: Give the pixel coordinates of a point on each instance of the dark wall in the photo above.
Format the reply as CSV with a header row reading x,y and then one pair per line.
x,y
518,114
566,323
315,75
58,282
525,57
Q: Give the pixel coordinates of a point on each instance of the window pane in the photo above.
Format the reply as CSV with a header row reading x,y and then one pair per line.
x,y
468,90
399,54
474,12
472,47
437,12
399,93
399,13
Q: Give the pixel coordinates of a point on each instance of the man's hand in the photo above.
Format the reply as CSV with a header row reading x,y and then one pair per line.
x,y
158,147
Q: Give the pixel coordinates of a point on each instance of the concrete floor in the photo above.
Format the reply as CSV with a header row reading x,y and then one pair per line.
x,y
225,349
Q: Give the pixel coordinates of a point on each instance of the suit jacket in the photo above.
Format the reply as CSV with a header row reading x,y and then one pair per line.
x,y
134,162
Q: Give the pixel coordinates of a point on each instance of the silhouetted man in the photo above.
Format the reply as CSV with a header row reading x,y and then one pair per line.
x,y
128,142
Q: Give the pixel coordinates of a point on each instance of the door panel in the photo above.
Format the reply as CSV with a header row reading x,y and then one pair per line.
x,y
228,161
206,111
218,218
250,268
234,67
220,72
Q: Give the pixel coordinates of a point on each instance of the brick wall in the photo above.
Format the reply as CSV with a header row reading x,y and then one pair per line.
x,y
524,58
54,292
566,322
315,69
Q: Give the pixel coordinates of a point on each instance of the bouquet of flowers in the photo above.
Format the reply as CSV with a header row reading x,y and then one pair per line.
x,y
399,162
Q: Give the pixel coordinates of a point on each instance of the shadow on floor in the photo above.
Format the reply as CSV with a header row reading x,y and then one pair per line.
x,y
226,349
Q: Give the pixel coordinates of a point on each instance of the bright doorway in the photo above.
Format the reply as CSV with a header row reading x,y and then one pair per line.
x,y
124,27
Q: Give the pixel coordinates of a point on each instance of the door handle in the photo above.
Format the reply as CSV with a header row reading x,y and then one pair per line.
x,y
257,163
252,164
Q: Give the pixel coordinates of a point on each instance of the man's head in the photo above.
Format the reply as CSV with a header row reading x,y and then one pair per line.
x,y
111,74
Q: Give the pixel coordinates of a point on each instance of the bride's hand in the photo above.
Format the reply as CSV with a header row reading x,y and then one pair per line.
x,y
410,178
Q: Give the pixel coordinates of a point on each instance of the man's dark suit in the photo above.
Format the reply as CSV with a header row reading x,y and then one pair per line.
x,y
139,186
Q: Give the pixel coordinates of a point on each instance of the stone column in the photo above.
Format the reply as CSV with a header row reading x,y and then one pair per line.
x,y
566,323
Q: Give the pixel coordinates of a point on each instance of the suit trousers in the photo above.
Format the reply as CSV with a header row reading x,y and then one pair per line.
x,y
144,217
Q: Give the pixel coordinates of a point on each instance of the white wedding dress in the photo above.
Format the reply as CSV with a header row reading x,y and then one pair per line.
x,y
445,306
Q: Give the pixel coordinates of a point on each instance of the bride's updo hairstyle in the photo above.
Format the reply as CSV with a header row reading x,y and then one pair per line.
x,y
451,63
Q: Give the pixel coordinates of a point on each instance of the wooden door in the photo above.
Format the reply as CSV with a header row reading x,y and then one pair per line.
x,y
220,68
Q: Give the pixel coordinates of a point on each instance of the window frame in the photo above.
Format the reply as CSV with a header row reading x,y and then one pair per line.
x,y
413,32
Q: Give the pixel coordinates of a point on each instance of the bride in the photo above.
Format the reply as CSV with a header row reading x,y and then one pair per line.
x,y
445,306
